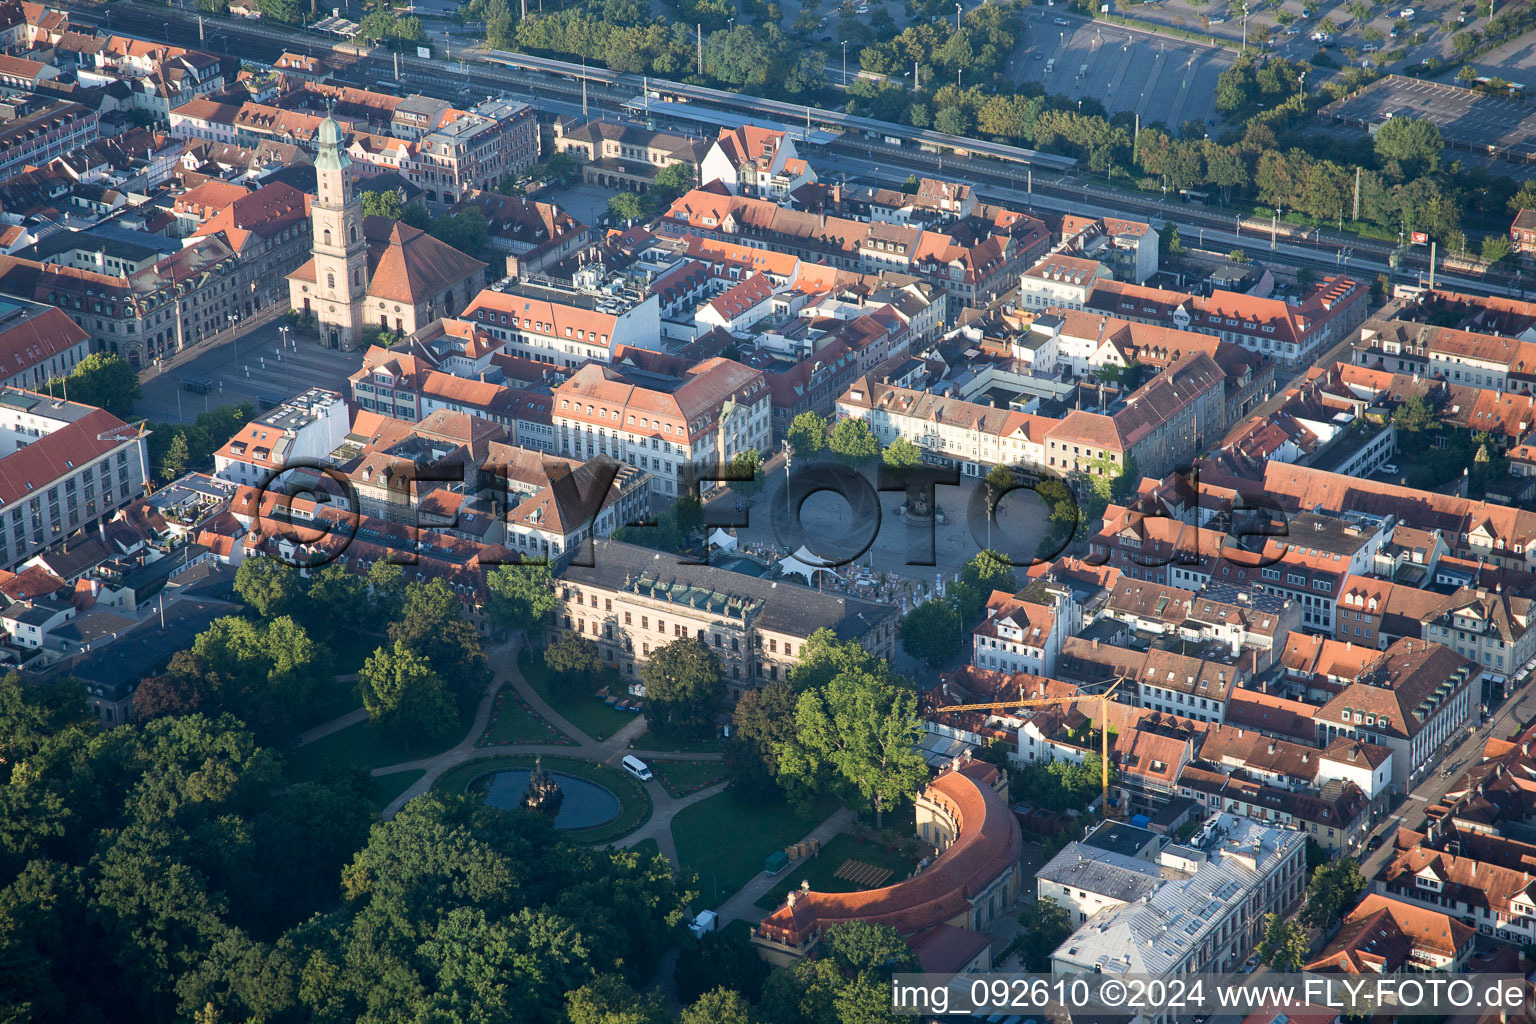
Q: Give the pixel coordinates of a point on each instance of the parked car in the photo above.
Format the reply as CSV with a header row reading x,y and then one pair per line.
x,y
1375,843
1407,12
1062,21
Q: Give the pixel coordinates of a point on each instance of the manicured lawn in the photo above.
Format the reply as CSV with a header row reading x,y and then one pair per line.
x,y
679,778
650,740
590,715
632,795
724,840
514,722
387,787
821,870
356,746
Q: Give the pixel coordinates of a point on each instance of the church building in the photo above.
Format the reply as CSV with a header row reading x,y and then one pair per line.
x,y
372,271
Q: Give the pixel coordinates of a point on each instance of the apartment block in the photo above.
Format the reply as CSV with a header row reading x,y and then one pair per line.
x,y
63,467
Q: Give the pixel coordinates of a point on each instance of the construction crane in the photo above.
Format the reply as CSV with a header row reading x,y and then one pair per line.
x,y
1038,702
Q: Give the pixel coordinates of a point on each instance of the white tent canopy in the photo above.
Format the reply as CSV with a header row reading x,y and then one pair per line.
x,y
805,563
722,540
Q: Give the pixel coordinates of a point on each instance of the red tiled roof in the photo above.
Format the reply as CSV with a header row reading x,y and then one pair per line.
x,y
36,339
989,843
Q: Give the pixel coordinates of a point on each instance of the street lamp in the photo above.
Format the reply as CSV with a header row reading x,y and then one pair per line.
x,y
958,9
234,320
845,63
788,501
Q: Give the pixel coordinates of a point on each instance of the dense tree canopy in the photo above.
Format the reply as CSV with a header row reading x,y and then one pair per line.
x,y
102,379
683,687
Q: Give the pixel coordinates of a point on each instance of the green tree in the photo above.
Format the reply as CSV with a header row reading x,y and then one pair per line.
x,y
625,207
861,728
102,379
715,956
384,203
1285,945
1414,415
683,687
1332,892
574,664
499,25
466,230
432,624
762,719
859,947
808,432
902,454
932,631
987,571
608,1000
1046,926
270,586
174,463
386,590
852,441
804,991
718,1006
1238,256
1466,74
339,598
999,480
405,697
1412,142
521,595
744,471
1496,248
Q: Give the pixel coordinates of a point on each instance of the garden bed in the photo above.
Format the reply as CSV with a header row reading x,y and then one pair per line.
x,y
514,722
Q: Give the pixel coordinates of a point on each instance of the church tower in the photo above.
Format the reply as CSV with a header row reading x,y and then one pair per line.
x,y
340,250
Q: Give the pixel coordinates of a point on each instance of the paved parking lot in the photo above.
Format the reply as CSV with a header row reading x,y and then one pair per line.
x,y
1464,117
1164,80
254,370
838,527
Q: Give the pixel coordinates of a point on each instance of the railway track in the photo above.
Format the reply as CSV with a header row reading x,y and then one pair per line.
x,y
607,92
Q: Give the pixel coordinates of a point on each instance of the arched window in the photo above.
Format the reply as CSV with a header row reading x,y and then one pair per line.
x,y
357,277
352,233
327,236
330,280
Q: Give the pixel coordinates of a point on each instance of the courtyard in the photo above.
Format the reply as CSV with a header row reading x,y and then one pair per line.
x,y
255,366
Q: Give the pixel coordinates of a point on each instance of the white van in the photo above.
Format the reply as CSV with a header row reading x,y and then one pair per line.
x,y
637,768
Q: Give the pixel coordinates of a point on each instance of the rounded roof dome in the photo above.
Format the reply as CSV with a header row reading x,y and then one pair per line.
x,y
329,133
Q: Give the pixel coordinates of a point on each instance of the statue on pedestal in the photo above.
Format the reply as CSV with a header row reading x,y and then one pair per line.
x,y
542,793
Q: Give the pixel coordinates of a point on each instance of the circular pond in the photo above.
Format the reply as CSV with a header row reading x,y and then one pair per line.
x,y
586,803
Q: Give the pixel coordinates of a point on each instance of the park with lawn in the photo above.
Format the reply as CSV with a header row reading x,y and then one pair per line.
x,y
595,717
679,778
361,745
724,839
514,722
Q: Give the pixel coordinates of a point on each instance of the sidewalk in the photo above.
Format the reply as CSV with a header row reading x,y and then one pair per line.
x,y
335,725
